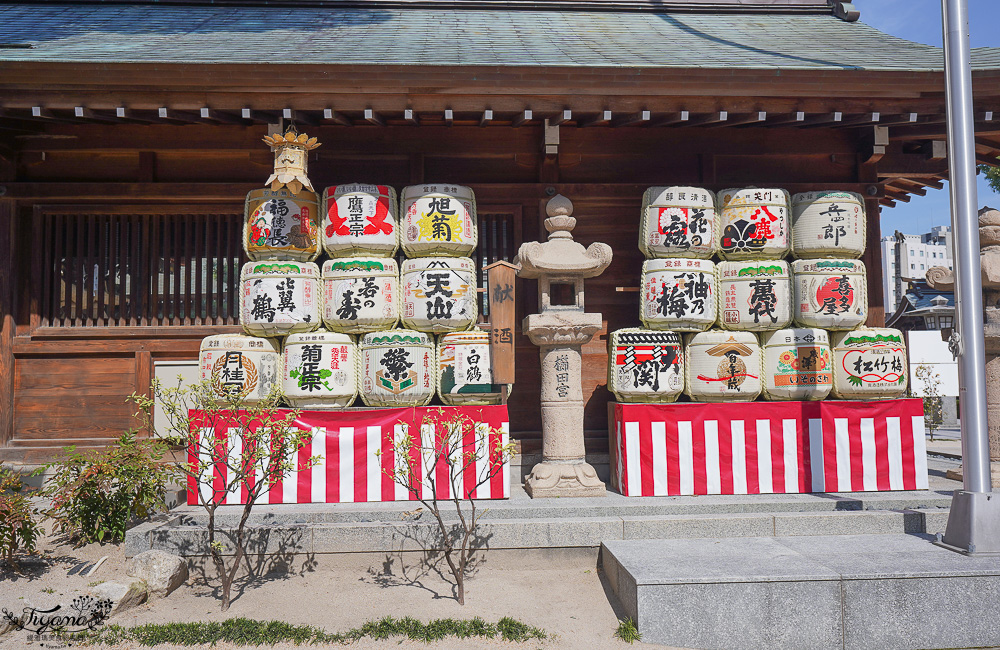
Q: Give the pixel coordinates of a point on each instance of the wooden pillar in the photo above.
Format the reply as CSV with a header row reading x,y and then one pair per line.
x,y
143,376
867,173
7,323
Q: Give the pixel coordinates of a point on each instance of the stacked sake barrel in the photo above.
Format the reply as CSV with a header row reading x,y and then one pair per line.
x,y
753,321
439,233
280,296
432,293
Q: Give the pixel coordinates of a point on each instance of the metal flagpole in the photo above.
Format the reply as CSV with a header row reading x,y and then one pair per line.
x,y
974,519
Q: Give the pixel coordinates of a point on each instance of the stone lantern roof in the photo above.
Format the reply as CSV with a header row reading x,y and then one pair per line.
x,y
560,256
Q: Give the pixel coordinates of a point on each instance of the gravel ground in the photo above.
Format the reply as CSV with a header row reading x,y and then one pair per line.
x,y
562,593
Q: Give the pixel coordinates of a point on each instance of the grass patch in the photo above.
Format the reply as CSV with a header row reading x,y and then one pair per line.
x,y
249,632
627,631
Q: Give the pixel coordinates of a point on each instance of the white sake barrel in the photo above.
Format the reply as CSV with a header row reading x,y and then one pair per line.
x,y
645,365
360,294
279,225
828,224
832,294
319,370
360,219
279,298
679,222
798,364
465,371
678,294
754,223
237,364
439,294
754,296
439,220
397,368
869,363
722,366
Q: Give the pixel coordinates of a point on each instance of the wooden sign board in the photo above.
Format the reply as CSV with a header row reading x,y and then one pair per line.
x,y
500,277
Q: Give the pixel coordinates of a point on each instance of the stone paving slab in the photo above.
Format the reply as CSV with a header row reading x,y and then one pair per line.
x,y
843,591
189,539
520,505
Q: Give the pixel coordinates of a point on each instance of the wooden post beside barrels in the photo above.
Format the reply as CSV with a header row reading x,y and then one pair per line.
x,y
500,276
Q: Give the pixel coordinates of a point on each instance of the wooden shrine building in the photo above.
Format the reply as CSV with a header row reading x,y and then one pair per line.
x,y
130,132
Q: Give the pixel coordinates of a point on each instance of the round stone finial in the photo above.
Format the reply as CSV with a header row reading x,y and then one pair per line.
x,y
559,206
989,217
560,223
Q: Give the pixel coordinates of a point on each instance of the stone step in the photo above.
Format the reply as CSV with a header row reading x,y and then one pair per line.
x,y
520,506
178,533
843,591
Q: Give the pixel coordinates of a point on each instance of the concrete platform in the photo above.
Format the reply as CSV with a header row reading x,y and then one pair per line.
x,y
523,523
844,591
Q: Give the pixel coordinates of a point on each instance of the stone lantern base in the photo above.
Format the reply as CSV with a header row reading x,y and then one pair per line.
x,y
958,475
564,479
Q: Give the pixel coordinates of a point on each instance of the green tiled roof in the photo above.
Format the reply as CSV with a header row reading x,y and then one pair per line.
x,y
105,33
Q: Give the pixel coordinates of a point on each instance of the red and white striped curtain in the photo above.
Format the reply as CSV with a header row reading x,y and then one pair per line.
x,y
351,468
769,447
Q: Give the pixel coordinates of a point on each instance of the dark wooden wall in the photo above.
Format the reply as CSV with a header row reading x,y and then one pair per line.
x,y
61,385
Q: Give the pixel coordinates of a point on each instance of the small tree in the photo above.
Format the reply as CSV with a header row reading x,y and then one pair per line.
x,y
97,494
459,444
19,529
933,406
210,425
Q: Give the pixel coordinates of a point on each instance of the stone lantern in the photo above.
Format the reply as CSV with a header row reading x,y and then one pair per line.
x,y
559,330
941,278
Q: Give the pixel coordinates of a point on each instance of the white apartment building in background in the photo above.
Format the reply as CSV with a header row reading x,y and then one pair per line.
x,y
907,257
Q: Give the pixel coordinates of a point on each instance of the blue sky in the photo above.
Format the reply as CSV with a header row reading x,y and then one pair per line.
x,y
920,21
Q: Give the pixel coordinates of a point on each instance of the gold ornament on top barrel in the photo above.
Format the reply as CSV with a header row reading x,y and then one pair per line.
x,y
281,221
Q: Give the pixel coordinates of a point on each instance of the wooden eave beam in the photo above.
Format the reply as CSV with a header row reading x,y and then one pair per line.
x,y
987,147
526,116
258,116
601,119
41,113
169,115
914,187
410,117
336,117
795,119
89,115
635,119
674,119
758,117
215,116
374,118
125,114
911,165
897,194
299,118
562,117
934,150
861,120
903,119
875,141
825,119
713,118
486,118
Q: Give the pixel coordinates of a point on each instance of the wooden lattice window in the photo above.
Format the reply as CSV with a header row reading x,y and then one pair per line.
x,y
138,265
499,237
